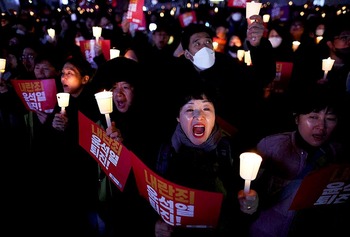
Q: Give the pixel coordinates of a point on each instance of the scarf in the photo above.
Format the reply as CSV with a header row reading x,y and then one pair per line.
x,y
179,139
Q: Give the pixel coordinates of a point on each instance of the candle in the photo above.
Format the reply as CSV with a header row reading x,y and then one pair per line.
x,y
2,65
249,167
96,32
113,53
63,100
240,54
327,65
252,8
105,104
51,33
318,39
215,45
295,45
247,58
266,18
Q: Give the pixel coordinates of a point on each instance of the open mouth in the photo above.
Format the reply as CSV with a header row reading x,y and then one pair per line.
x,y
198,130
121,104
318,137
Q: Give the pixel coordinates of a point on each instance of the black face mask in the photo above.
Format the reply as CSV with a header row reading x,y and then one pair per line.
x,y
233,49
343,54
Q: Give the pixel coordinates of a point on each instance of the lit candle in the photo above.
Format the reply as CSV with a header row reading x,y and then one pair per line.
x,y
2,65
266,18
2,70
63,100
96,32
51,33
113,53
249,167
327,65
215,45
247,58
105,104
252,8
318,39
295,45
240,54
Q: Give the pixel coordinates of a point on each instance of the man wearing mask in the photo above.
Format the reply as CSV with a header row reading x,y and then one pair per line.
x,y
239,87
337,40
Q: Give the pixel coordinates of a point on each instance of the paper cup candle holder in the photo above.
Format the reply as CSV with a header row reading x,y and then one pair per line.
x,y
2,66
105,104
327,65
252,8
249,167
96,32
63,100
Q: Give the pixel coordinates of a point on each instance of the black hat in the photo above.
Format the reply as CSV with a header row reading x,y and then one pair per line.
x,y
116,70
162,27
336,27
192,29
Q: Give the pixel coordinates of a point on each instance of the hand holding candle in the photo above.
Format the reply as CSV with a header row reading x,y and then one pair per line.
x,y
105,104
63,100
249,166
327,65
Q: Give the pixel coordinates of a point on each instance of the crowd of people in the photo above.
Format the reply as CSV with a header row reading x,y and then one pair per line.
x,y
187,109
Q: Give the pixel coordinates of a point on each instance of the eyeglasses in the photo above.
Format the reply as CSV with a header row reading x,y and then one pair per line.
x,y
342,37
29,56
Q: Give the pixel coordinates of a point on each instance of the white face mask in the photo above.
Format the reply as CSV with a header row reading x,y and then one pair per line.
x,y
275,41
204,58
237,16
319,32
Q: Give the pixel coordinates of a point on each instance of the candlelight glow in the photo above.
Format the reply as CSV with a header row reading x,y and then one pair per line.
x,y
105,104
63,100
295,45
113,53
51,32
96,32
249,167
252,8
2,65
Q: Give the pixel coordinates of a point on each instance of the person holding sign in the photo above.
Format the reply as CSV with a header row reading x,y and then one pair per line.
x,y
129,126
74,174
39,122
288,158
199,156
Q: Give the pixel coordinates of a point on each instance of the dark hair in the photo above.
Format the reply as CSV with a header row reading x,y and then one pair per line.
x,y
192,29
315,99
116,70
194,91
162,27
335,28
51,58
83,66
